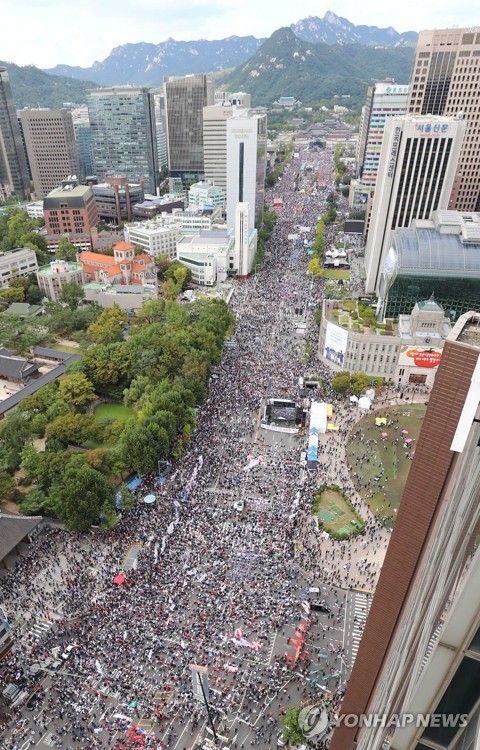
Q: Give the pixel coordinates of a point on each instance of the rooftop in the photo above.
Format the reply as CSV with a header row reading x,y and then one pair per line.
x,y
13,529
80,191
64,266
467,329
433,253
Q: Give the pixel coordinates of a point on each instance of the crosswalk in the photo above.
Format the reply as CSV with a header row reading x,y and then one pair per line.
x,y
40,630
359,608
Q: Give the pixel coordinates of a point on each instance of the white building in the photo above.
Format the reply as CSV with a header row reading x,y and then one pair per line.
x,y
239,98
205,193
245,242
155,237
17,263
417,167
207,255
215,142
246,164
53,277
385,99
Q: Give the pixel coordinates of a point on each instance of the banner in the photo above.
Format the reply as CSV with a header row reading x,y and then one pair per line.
x,y
336,340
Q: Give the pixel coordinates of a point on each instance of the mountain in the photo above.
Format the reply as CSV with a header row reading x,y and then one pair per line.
x,y
333,29
146,64
32,87
288,66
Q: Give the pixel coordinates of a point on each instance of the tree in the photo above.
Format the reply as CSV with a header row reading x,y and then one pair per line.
x,y
141,446
76,389
108,327
65,250
72,294
162,263
82,496
127,498
360,382
35,503
315,267
16,431
7,487
33,295
152,311
292,734
13,294
341,382
73,429
100,459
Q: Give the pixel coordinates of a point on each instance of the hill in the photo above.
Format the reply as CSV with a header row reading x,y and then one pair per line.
x,y
333,29
287,66
32,87
146,64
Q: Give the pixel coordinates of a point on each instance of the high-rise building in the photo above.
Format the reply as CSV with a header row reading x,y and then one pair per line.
x,y
86,158
215,142
384,99
51,147
14,177
417,168
246,165
122,120
185,98
444,81
420,650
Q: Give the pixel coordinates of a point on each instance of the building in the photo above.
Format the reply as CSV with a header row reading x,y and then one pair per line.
x,y
151,206
439,257
20,262
51,147
384,99
207,255
14,177
246,165
420,649
86,157
185,98
124,296
405,352
203,194
122,119
115,199
239,98
34,209
444,81
154,237
53,277
246,239
124,267
70,210
417,168
215,142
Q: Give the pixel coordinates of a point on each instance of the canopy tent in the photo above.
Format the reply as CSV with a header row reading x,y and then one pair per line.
x,y
364,403
149,499
119,579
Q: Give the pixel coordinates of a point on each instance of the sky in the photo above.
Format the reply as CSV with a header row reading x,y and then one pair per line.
x,y
48,32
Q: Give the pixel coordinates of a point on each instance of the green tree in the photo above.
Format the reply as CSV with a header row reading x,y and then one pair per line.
x,y
65,250
72,294
315,267
16,431
152,311
76,389
13,294
108,327
81,497
292,734
74,429
127,498
35,503
109,367
341,382
162,263
141,446
33,295
7,487
360,382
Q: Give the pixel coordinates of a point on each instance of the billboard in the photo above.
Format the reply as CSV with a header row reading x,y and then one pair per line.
x,y
418,356
199,682
336,340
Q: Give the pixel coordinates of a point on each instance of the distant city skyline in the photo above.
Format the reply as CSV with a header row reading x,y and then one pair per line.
x,y
42,34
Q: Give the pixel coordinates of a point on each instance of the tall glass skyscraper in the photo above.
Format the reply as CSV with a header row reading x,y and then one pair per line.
x,y
185,98
122,120
14,178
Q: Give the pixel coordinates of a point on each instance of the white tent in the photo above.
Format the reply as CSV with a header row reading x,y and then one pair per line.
x,y
370,394
353,399
364,403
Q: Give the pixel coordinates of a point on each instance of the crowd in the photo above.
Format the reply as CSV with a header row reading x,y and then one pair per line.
x,y
207,584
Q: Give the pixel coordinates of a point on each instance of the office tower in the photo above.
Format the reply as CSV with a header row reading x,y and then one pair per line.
x,y
417,168
185,98
122,120
215,143
245,241
246,165
86,159
444,81
420,650
162,147
14,178
51,147
384,99
70,210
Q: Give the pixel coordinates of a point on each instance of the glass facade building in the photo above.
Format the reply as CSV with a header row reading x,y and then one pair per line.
x,y
122,121
426,261
14,177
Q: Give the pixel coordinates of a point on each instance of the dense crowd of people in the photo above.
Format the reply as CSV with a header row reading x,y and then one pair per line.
x,y
210,586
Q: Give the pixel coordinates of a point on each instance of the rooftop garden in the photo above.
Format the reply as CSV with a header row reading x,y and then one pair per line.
x,y
360,318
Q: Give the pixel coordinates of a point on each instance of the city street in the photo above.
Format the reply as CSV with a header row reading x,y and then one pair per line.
x,y
210,585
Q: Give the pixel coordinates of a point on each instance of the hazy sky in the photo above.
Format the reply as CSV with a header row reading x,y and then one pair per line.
x,y
47,32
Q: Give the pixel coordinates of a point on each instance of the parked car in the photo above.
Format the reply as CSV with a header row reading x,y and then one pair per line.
x,y
11,692
319,606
